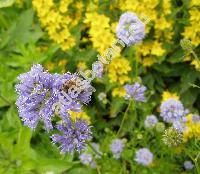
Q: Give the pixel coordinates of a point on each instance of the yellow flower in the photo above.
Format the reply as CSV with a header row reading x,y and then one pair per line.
x,y
80,115
147,53
50,66
100,31
118,70
192,129
120,92
81,65
196,64
56,21
191,31
157,49
167,95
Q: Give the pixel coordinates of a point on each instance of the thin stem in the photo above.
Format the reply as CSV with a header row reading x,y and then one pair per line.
x,y
97,166
124,117
195,56
136,68
195,161
95,151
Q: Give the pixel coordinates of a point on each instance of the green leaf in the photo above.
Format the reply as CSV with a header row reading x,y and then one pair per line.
x,y
54,165
6,3
22,148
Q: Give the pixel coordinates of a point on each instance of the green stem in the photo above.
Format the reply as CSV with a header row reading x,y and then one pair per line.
x,y
195,160
95,151
136,68
194,54
196,58
97,166
124,117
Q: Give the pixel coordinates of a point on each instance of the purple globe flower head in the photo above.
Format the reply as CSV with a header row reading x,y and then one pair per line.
x,y
179,126
116,147
130,29
150,121
97,68
144,157
172,110
36,97
74,136
86,158
135,91
188,165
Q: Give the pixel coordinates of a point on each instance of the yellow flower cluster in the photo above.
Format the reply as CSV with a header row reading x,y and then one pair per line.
x,y
192,31
120,91
167,95
55,19
80,115
50,66
192,130
100,31
118,70
148,53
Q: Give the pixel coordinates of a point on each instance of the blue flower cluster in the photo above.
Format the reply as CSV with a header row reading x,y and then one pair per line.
x,y
43,95
172,110
135,92
130,29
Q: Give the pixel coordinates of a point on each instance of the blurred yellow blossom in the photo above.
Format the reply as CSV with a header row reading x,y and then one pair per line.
x,y
192,31
50,66
99,31
196,64
147,53
81,65
78,115
118,70
192,129
166,95
120,92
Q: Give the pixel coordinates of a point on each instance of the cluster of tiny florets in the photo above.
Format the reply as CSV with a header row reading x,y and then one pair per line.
x,y
172,137
43,95
135,92
130,29
188,165
144,156
150,121
73,137
172,110
116,147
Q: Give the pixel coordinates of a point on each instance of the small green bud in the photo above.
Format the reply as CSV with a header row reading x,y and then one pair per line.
x,y
186,45
160,127
172,137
